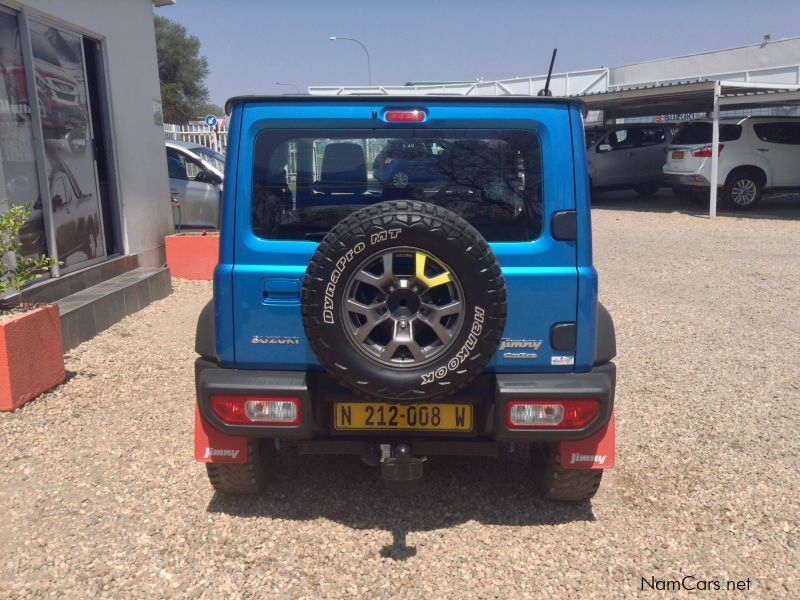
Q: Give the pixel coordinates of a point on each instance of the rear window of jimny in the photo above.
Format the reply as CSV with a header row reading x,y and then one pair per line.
x,y
304,182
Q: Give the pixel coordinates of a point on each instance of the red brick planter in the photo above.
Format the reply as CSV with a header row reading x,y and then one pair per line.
x,y
31,355
192,255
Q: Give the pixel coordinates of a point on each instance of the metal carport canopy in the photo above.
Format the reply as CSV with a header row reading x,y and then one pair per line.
x,y
758,98
693,96
670,98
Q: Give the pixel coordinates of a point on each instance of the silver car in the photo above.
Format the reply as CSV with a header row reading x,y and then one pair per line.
x,y
629,156
195,183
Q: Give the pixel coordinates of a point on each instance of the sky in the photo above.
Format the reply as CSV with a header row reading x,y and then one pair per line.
x,y
251,44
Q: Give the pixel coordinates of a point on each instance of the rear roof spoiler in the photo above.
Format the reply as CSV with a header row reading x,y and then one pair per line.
x,y
426,99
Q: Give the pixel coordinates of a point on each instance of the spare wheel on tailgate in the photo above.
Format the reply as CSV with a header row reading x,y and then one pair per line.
x,y
403,300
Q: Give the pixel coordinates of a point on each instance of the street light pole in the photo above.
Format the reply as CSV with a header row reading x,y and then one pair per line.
x,y
290,85
333,38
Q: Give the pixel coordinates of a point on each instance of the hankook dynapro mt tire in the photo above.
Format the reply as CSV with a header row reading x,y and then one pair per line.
x,y
403,300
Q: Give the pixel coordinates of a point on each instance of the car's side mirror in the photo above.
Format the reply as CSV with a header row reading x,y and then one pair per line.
x,y
604,148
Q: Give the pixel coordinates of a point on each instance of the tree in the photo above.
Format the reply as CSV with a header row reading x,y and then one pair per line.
x,y
209,108
181,71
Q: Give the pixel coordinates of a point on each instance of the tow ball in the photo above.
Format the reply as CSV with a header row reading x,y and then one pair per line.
x,y
396,462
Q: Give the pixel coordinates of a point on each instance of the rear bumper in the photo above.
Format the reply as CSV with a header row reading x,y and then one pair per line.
x,y
686,180
488,394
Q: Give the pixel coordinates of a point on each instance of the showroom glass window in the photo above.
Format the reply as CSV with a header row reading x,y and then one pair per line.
x,y
71,176
304,182
18,178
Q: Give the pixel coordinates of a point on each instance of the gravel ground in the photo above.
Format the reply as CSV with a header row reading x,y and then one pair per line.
x,y
101,496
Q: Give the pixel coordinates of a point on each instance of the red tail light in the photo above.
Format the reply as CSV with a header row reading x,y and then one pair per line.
x,y
705,151
404,116
283,411
551,414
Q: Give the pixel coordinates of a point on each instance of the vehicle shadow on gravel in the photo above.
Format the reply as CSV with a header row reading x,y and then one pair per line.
x,y
781,207
453,491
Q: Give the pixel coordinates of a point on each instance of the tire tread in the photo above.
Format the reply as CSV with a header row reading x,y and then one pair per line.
x,y
565,485
241,478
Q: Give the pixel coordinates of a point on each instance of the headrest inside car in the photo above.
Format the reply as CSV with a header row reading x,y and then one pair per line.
x,y
344,169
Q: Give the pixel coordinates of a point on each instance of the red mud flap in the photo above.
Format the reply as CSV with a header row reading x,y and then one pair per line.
x,y
594,452
213,446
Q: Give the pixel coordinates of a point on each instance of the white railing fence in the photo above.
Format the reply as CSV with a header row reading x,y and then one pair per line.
x,y
216,138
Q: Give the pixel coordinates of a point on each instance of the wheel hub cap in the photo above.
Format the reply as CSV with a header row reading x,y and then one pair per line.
x,y
403,303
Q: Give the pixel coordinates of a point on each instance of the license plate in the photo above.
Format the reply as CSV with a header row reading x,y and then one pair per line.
x,y
403,417
677,155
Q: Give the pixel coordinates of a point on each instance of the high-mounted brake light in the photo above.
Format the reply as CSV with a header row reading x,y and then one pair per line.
x,y
551,414
404,116
276,411
705,151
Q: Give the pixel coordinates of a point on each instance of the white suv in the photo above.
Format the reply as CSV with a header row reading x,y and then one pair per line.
x,y
756,154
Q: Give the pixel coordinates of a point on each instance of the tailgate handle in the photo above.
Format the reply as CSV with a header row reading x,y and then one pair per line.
x,y
280,291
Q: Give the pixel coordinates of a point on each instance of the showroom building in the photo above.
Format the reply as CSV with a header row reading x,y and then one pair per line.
x,y
82,144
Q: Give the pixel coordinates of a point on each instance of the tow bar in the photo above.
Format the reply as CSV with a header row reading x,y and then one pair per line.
x,y
398,466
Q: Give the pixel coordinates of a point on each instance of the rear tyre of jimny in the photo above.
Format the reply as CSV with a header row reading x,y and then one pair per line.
x,y
249,477
560,484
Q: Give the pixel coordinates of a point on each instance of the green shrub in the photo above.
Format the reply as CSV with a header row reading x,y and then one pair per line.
x,y
16,269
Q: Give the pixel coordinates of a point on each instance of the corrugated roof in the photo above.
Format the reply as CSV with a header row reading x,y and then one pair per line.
x,y
649,86
693,95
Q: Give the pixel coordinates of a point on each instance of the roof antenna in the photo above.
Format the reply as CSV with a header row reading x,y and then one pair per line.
x,y
546,91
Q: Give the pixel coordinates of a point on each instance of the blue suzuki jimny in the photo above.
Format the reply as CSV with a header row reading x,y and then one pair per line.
x,y
461,319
